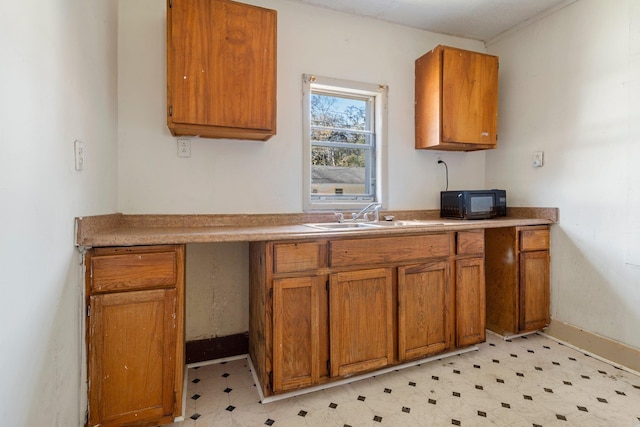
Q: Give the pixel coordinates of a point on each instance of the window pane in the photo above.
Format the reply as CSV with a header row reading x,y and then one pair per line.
x,y
338,136
336,111
342,138
332,180
343,157
338,171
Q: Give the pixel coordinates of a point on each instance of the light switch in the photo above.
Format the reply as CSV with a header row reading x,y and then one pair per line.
x,y
79,150
538,159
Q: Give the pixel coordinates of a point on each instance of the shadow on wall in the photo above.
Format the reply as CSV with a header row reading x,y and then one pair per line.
x,y
583,297
62,370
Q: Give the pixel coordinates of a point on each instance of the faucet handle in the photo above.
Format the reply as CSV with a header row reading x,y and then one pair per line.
x,y
339,216
372,216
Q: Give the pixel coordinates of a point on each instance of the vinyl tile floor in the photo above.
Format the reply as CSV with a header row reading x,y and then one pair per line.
x,y
526,381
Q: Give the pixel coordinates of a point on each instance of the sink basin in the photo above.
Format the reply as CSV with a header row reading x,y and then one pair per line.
x,y
417,222
334,226
345,226
400,223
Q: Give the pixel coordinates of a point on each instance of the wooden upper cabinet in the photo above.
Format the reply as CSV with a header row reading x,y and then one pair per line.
x,y
456,100
221,69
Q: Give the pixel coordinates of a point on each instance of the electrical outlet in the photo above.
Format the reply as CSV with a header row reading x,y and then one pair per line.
x,y
538,159
184,147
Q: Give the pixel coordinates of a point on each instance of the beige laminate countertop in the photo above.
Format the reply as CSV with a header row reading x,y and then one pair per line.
x,y
134,230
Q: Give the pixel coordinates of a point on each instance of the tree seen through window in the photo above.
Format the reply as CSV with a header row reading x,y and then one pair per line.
x,y
341,144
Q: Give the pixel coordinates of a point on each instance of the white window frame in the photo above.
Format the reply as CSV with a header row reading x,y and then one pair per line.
x,y
378,92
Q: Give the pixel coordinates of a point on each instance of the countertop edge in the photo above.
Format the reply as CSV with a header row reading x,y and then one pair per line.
x,y
136,230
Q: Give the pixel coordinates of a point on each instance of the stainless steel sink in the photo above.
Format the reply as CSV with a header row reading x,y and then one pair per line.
x,y
403,223
346,226
335,226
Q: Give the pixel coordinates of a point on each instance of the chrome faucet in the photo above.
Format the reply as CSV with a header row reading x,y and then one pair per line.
x,y
365,214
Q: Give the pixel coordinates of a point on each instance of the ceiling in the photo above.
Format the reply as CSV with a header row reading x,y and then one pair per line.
x,y
475,19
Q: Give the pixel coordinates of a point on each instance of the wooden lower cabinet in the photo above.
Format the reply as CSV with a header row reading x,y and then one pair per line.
x,y
326,309
362,326
300,332
470,302
518,279
534,290
425,310
135,335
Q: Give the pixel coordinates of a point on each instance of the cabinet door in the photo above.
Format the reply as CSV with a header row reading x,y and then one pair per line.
x,y
470,302
221,69
502,276
361,319
534,290
469,97
300,332
132,352
425,308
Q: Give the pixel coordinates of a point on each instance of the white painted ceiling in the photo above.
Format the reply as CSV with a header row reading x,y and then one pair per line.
x,y
475,19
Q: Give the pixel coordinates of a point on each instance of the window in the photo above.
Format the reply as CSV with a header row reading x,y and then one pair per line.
x,y
344,128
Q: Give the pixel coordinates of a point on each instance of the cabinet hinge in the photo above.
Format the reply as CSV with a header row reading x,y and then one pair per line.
x,y
170,111
271,379
328,365
170,4
88,311
326,285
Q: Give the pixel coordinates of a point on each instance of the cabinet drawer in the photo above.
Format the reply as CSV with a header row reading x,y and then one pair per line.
x,y
290,257
344,253
534,240
470,243
130,271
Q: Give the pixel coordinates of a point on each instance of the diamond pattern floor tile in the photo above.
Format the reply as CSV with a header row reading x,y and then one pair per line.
x,y
524,381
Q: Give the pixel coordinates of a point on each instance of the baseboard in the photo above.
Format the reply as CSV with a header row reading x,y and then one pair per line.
x,y
349,380
217,348
597,345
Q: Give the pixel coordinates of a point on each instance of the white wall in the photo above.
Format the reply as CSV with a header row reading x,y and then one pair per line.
x,y
225,176
570,85
58,84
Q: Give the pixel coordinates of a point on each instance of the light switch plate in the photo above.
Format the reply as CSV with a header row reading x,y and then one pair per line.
x,y
79,154
538,159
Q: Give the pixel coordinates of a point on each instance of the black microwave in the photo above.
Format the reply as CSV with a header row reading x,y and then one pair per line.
x,y
473,204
